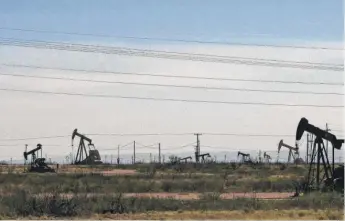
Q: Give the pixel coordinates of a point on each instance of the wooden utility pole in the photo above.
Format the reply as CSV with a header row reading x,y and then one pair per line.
x,y
197,148
310,143
327,130
159,153
306,157
134,153
118,155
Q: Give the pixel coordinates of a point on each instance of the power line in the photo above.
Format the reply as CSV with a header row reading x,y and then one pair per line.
x,y
168,55
150,134
126,145
248,135
170,99
173,85
154,145
173,76
140,134
180,146
17,145
170,39
33,138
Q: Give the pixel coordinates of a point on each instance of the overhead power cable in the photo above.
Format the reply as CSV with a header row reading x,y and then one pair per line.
x,y
140,134
154,145
168,55
126,145
22,145
248,135
179,147
170,99
170,39
173,85
33,138
173,76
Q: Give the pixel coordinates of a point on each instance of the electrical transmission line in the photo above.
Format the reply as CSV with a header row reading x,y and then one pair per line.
x,y
33,138
174,76
248,135
170,99
173,85
170,39
140,134
153,134
168,55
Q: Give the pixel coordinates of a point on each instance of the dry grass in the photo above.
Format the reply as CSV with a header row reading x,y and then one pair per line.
x,y
230,215
220,215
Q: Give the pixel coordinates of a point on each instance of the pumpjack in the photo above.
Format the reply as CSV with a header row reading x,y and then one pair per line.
x,y
37,164
245,157
267,157
83,157
322,175
293,152
203,156
185,159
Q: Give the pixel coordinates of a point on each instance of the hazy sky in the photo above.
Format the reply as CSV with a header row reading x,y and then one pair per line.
x,y
309,22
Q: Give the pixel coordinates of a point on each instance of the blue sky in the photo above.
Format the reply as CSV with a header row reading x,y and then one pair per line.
x,y
249,20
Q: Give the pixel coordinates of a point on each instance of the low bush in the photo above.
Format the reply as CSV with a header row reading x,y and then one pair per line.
x,y
24,204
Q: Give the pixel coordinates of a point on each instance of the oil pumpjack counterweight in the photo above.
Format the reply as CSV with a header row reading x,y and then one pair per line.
x,y
83,156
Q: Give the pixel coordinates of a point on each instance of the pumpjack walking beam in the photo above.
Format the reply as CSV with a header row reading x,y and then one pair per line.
x,y
185,159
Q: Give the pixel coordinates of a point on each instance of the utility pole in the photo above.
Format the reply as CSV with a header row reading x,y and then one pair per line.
x,y
111,159
159,153
118,155
225,158
310,141
150,157
197,148
306,157
327,130
134,153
